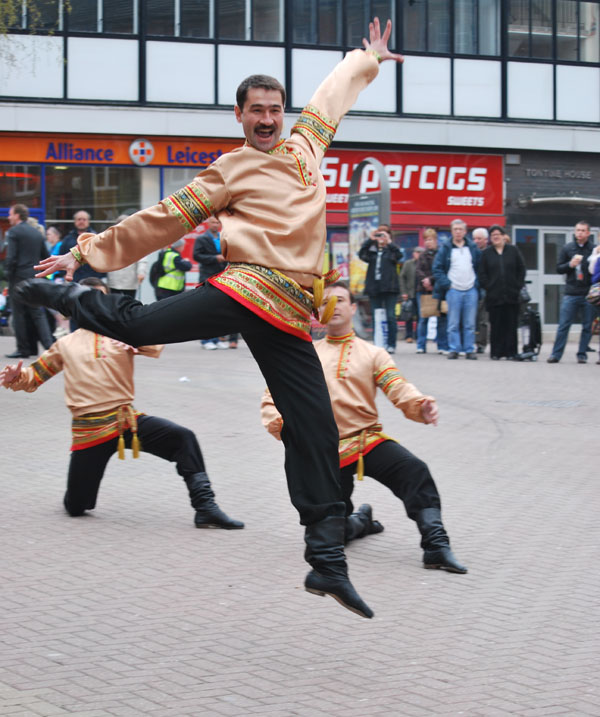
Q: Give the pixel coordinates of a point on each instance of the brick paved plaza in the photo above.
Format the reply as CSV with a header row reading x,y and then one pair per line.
x,y
131,611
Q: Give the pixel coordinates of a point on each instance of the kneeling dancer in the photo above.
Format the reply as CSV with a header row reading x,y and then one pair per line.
x,y
269,196
354,369
99,392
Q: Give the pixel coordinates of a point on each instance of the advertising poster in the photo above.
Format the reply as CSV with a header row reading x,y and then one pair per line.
x,y
363,215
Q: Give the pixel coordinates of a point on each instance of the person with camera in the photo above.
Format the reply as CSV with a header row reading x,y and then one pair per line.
x,y
382,284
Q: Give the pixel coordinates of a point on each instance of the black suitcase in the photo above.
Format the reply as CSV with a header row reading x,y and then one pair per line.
x,y
531,334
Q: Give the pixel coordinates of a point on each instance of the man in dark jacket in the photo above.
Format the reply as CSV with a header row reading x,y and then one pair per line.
x,y
81,220
573,262
455,274
25,247
382,285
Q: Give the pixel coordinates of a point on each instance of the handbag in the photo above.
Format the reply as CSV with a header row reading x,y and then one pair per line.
x,y
593,295
429,306
407,310
524,297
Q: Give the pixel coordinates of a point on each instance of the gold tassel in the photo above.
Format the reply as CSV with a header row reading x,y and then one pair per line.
x,y
318,285
360,468
329,309
121,448
135,446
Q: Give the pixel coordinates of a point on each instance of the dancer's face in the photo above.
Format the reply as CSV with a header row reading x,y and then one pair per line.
x,y
342,319
261,117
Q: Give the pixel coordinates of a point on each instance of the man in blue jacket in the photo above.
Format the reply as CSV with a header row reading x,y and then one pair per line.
x,y
455,274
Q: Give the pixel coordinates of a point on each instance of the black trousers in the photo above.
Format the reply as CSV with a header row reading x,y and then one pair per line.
x,y
157,436
290,366
503,330
29,325
395,467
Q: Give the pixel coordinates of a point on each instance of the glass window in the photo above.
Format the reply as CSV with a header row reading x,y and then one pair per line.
x,y
117,16
588,32
160,17
438,26
20,184
304,22
477,27
357,21
330,22
553,243
414,26
195,18
232,19
83,16
266,21
427,26
44,15
541,28
317,22
527,243
566,30
104,192
518,28
553,294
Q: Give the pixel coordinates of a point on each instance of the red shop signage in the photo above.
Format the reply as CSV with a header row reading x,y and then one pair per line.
x,y
421,182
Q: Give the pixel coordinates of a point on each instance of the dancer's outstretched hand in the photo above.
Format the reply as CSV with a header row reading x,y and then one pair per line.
x,y
378,42
10,373
429,411
65,262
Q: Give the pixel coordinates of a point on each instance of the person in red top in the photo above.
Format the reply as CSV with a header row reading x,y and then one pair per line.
x,y
270,198
99,393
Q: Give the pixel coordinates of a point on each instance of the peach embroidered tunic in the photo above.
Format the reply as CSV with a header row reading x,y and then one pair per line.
x,y
354,369
98,374
271,206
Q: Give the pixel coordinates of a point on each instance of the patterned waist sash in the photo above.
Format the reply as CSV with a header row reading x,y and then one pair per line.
x,y
271,295
93,429
353,448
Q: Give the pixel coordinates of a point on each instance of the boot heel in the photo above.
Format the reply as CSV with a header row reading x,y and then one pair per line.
x,y
315,592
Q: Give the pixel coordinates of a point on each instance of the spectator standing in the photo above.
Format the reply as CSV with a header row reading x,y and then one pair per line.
x,y
53,241
424,282
25,248
455,272
481,241
382,285
594,270
408,281
127,280
172,282
573,262
207,252
81,221
502,275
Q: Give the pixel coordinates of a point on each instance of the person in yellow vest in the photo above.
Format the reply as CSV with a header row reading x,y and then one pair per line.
x,y
172,282
270,198
354,370
99,392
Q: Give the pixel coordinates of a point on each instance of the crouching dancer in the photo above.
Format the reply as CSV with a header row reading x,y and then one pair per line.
x,y
269,196
354,369
99,392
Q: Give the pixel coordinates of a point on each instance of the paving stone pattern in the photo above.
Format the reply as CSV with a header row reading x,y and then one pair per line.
x,y
132,611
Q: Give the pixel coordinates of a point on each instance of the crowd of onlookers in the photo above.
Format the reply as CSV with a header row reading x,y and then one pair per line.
x,y
462,293
475,290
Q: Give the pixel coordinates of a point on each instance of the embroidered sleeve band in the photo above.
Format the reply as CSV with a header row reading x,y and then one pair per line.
x,y
386,377
317,128
190,205
42,371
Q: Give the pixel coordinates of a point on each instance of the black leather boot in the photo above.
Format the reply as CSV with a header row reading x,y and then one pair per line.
x,y
41,292
361,523
208,513
435,542
329,576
